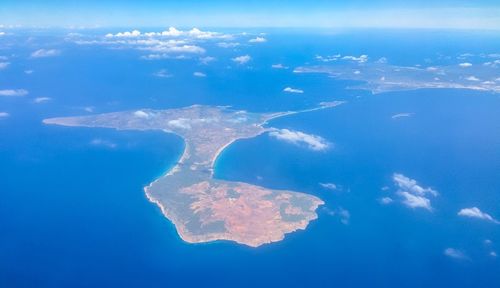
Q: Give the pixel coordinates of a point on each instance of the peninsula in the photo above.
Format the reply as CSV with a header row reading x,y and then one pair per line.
x,y
201,207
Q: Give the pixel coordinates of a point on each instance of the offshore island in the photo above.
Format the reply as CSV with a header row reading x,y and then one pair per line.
x,y
203,208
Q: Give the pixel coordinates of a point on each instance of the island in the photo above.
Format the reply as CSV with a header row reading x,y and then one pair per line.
x,y
203,208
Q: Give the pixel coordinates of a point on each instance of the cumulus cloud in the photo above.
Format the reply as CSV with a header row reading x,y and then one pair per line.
x,y
134,33
242,59
199,74
279,66
411,185
475,212
455,253
313,142
2,33
13,92
170,32
465,65
400,115
39,100
4,65
415,201
42,53
162,74
413,195
257,40
293,90
4,115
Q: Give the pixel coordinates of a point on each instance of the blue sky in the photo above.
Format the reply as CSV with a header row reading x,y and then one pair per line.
x,y
254,13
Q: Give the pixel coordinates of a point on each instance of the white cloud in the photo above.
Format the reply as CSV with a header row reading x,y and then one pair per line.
x,y
4,115
360,59
182,123
293,90
173,48
161,56
13,92
472,78
2,33
197,33
410,185
127,34
162,74
242,59
493,254
4,65
257,40
28,72
414,201
344,214
199,74
42,99
172,31
41,53
194,33
313,142
329,186
465,65
412,194
328,58
454,253
279,66
102,142
475,212
385,200
228,44
400,115
206,60
141,114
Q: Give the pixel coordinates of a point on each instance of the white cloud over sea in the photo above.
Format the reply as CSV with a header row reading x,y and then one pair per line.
x,y
455,254
43,53
312,142
171,43
412,194
13,92
293,90
242,59
475,212
258,40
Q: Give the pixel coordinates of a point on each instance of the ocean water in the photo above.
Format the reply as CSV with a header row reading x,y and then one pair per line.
x,y
73,212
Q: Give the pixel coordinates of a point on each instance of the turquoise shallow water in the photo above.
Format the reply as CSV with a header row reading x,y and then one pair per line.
x,y
73,212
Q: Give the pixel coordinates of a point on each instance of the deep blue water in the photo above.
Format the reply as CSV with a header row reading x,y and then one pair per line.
x,y
73,214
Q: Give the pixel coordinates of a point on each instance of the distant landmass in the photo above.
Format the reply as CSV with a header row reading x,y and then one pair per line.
x,y
202,208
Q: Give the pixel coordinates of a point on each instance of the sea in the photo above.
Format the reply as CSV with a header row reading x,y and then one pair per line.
x,y
72,208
